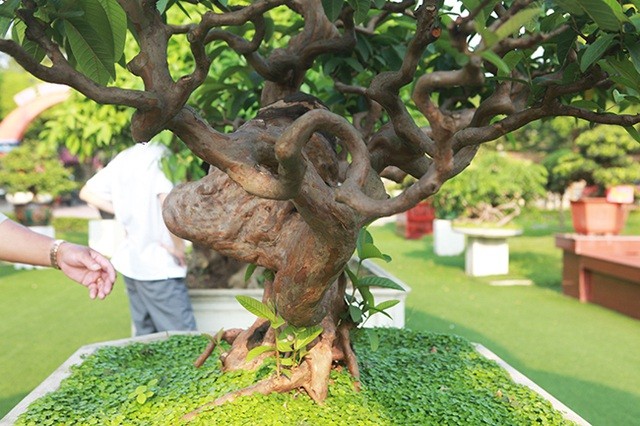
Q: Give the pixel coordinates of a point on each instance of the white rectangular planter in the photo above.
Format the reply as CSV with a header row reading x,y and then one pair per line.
x,y
52,383
446,242
218,308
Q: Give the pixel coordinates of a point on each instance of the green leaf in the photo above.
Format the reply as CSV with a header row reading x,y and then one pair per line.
x,y
259,350
332,8
287,362
364,237
571,6
366,295
634,54
374,340
512,58
503,68
594,51
352,276
355,313
633,132
517,21
118,23
488,37
141,398
625,69
585,104
18,34
383,282
94,57
5,24
565,42
387,304
256,307
378,311
8,8
361,8
370,251
250,269
607,14
306,336
284,345
278,322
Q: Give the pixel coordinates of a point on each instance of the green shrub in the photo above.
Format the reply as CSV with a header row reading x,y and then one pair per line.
x,y
35,169
603,156
413,378
492,189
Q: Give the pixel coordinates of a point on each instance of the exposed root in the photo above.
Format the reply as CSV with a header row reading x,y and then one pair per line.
x,y
350,359
299,376
329,349
228,336
246,340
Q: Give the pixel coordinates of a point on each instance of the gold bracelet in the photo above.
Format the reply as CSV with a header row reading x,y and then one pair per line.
x,y
53,253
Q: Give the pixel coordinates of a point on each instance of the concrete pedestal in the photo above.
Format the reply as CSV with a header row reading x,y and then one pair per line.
x,y
487,250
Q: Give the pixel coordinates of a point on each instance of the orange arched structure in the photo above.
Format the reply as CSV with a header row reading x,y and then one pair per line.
x,y
32,102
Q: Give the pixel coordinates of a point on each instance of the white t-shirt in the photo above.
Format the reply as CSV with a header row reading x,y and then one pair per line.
x,y
132,182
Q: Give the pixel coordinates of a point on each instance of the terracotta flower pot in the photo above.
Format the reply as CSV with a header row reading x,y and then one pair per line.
x,y
597,216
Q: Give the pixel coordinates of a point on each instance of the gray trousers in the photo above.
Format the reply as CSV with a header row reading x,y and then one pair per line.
x,y
161,305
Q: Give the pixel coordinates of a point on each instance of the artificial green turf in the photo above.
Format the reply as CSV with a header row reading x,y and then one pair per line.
x,y
45,318
585,355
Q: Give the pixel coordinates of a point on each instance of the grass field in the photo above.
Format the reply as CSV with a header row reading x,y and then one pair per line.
x,y
585,355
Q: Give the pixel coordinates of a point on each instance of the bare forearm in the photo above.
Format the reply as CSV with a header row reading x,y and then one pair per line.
x,y
96,201
19,244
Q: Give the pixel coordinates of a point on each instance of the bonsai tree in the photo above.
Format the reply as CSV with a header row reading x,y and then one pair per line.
x,y
602,158
35,172
398,88
492,190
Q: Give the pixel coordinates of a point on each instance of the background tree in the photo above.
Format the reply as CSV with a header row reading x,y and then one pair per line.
x,y
399,89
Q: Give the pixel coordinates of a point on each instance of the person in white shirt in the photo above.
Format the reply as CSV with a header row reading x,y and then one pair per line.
x,y
133,187
80,263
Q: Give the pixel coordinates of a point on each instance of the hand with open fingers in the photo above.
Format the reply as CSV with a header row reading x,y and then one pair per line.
x,y
87,267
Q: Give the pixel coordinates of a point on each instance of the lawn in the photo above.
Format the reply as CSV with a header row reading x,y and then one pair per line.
x,y
45,318
584,355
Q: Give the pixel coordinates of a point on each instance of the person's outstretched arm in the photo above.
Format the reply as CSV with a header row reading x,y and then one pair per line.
x,y
80,263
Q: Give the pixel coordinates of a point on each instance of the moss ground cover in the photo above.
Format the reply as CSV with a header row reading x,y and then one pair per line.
x,y
416,378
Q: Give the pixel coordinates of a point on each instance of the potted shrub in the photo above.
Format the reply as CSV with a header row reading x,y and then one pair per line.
x,y
487,197
418,220
33,176
492,191
602,159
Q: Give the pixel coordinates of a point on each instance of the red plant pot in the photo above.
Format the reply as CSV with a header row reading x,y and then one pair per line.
x,y
597,216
